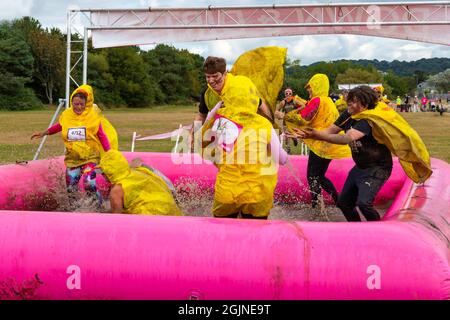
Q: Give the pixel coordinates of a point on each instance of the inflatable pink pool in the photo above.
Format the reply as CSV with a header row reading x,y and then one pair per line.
x,y
65,255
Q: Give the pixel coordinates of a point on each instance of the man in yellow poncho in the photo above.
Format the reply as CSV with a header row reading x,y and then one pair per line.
x,y
372,132
138,190
319,113
236,139
263,66
87,134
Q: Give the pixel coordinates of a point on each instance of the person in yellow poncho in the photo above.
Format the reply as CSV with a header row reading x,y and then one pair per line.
x,y
138,190
319,113
263,66
373,132
379,90
87,134
236,138
209,97
289,103
341,103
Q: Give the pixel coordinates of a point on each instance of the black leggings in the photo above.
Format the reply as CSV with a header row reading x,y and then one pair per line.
x,y
359,191
317,167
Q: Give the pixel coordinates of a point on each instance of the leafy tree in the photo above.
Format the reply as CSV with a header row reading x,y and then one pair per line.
x,y
400,85
355,76
132,82
441,81
49,56
177,73
16,62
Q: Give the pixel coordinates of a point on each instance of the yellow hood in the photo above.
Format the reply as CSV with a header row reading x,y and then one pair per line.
x,y
320,85
89,93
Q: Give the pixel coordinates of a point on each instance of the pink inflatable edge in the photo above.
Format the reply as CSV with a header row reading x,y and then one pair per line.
x,y
54,255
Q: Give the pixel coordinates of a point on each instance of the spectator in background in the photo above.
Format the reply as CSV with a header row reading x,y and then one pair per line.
x,y
415,104
406,103
424,102
289,103
398,102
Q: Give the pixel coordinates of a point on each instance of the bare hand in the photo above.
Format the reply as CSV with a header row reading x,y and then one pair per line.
x,y
305,133
37,135
279,115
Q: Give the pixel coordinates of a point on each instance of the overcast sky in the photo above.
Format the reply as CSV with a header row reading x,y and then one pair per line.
x,y
308,49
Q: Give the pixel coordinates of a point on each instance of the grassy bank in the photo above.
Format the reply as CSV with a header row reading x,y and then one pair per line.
x,y
17,127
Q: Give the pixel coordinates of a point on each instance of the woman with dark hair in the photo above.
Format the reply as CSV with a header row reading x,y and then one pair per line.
x,y
372,133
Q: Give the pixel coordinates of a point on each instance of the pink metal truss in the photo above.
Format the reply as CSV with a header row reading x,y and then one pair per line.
x,y
427,21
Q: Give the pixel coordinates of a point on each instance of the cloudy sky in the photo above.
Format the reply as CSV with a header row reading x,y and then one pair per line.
x,y
308,49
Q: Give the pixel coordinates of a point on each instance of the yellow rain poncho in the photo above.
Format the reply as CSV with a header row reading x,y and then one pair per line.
x,y
79,132
341,104
144,191
325,116
264,67
390,129
380,90
247,178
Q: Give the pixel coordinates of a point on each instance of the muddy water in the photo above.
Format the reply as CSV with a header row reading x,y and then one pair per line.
x,y
195,198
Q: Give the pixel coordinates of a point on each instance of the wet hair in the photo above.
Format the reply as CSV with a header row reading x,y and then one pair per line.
x,y
80,95
365,95
214,65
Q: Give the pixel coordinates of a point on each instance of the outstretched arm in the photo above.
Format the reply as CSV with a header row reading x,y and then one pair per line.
x,y
329,135
52,130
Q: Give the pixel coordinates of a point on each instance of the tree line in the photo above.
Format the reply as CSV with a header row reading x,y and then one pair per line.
x,y
33,64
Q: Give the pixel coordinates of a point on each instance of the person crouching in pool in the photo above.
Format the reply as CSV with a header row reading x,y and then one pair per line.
x,y
138,190
373,132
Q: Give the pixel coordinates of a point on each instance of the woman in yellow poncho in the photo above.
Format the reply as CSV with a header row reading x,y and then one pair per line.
x,y
341,103
319,113
87,134
139,190
236,139
373,131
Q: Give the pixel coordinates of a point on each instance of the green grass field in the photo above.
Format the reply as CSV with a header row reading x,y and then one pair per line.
x,y
17,127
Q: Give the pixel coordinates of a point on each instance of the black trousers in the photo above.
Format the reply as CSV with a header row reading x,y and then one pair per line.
x,y
317,167
359,191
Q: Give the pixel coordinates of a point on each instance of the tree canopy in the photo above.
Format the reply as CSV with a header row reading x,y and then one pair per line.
x,y
33,62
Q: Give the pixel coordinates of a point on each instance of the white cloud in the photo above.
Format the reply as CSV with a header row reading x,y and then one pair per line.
x,y
309,49
19,9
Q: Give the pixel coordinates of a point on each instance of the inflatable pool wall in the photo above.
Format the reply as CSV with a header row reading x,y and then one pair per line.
x,y
61,255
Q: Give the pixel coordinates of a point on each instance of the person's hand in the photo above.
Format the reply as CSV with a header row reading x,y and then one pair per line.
x,y
305,133
38,135
279,115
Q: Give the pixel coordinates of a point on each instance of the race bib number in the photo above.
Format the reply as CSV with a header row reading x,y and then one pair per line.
x,y
227,132
76,134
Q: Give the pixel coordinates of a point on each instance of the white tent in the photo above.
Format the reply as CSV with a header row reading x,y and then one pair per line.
x,y
354,85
